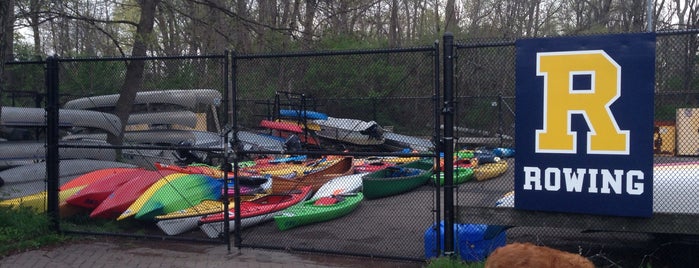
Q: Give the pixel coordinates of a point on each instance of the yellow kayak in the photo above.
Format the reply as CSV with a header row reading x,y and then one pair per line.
x,y
39,200
309,125
204,208
489,170
181,221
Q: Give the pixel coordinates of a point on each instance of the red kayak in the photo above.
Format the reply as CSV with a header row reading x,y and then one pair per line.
x,y
94,193
372,166
90,177
281,126
254,211
123,196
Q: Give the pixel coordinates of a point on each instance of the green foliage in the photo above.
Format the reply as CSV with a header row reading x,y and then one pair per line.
x,y
22,228
448,262
92,78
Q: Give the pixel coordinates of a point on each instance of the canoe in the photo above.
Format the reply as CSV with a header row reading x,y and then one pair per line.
x,y
183,220
461,175
317,210
300,114
253,212
187,98
126,194
317,178
178,194
347,184
94,193
183,118
489,170
67,118
18,153
162,137
396,180
352,131
68,167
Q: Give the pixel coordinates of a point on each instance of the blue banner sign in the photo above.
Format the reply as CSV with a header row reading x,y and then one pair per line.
x,y
584,124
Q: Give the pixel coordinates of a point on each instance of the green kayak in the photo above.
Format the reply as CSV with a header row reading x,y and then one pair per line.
x,y
461,175
317,210
397,179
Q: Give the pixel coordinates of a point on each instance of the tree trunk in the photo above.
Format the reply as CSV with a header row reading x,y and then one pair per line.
x,y
134,68
6,38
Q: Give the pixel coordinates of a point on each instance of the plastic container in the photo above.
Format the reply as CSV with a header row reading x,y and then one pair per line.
x,y
469,242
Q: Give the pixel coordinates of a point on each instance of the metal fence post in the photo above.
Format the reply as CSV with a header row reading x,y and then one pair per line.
x,y
448,117
437,140
52,154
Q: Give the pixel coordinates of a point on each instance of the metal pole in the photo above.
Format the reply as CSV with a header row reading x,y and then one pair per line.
x,y
52,154
226,109
649,15
448,116
236,185
437,137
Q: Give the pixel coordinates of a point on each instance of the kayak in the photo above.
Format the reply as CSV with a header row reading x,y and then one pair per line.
x,y
137,204
347,184
461,175
396,180
183,220
126,194
489,170
316,178
317,210
253,212
178,194
94,193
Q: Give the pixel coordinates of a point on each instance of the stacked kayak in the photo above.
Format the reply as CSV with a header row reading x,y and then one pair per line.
x,y
126,194
171,193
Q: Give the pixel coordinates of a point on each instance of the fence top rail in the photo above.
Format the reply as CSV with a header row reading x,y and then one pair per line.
x,y
336,53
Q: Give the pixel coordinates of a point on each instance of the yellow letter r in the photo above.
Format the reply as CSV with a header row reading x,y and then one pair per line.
x,y
561,101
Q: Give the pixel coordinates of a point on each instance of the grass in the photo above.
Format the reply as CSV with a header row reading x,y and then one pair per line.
x,y
452,262
22,229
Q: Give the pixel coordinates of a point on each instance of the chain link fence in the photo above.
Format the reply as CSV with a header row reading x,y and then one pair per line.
x,y
245,109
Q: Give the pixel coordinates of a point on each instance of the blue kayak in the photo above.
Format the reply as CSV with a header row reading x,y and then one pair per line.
x,y
301,114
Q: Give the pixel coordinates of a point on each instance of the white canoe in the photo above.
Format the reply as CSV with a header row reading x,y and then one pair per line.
x,y
66,168
215,229
36,117
182,118
188,98
17,153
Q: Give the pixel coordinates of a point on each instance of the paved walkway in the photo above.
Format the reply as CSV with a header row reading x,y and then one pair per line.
x,y
119,252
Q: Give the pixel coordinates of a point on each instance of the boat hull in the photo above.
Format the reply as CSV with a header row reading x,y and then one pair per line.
x,y
380,183
307,212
